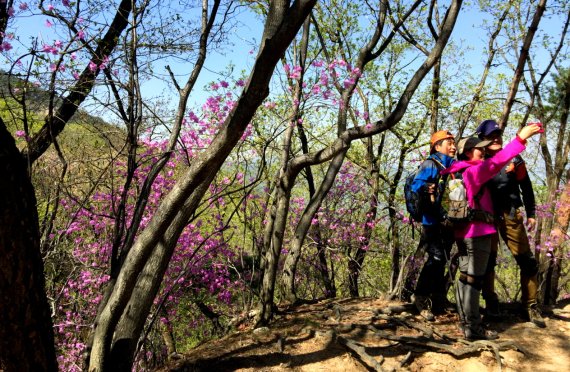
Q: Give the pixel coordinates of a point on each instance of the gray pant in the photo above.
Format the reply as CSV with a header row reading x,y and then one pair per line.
x,y
474,254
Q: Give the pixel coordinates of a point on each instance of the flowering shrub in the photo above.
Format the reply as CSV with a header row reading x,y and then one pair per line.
x,y
199,267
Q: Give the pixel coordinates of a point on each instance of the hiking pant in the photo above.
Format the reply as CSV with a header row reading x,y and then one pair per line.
x,y
513,232
473,258
437,241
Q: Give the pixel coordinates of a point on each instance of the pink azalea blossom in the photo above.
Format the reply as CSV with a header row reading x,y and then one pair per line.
x,y
48,23
5,46
348,82
23,6
104,64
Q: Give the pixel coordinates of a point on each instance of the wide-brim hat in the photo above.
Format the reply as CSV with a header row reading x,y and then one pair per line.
x,y
469,143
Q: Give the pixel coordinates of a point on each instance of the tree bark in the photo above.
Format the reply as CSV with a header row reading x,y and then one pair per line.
x,y
26,329
434,105
288,274
157,241
167,335
519,71
491,50
558,238
366,54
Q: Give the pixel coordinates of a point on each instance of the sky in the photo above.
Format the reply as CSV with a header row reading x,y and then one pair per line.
x,y
243,41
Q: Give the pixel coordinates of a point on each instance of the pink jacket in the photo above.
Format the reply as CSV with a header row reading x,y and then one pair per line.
x,y
475,174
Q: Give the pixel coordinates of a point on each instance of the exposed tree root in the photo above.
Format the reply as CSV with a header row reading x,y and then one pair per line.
x,y
422,342
406,359
359,350
397,309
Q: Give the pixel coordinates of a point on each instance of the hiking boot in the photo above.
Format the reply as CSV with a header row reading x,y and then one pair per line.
x,y
479,333
441,305
534,316
423,304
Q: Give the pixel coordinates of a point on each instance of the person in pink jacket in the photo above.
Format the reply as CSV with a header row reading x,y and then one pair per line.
x,y
474,237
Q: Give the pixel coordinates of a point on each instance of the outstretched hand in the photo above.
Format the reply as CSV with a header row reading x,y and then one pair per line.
x,y
530,223
530,130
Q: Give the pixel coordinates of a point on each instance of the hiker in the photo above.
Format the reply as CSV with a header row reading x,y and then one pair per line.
x,y
437,239
506,188
474,238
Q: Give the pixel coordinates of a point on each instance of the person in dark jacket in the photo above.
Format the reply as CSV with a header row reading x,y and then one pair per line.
x,y
436,238
511,189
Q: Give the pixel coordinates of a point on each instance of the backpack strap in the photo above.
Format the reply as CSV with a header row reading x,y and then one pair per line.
x,y
478,214
439,163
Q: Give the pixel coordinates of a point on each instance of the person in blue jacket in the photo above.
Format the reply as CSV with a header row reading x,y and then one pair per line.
x,y
436,238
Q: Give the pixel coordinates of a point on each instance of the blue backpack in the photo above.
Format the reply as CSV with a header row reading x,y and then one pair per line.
x,y
414,199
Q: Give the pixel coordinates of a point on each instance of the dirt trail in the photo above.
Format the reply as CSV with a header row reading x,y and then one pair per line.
x,y
360,335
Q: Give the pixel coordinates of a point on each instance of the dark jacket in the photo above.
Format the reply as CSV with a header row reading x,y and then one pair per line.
x,y
507,187
433,213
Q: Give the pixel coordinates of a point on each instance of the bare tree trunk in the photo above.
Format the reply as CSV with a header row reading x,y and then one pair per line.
x,y
562,212
273,252
355,264
124,236
491,50
167,336
327,277
394,218
519,71
26,329
365,55
277,214
551,289
294,253
138,282
344,139
435,84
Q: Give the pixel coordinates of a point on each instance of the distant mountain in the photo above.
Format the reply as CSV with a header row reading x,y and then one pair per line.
x,y
37,103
